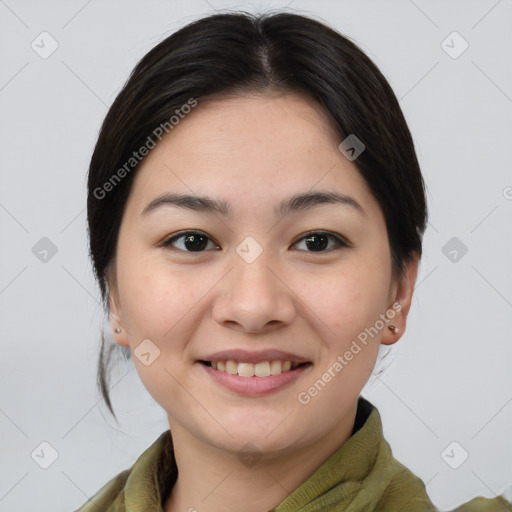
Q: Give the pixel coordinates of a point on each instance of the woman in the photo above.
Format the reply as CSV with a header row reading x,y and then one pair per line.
x,y
256,212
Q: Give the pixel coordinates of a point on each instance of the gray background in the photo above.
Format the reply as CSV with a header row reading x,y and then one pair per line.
x,y
449,378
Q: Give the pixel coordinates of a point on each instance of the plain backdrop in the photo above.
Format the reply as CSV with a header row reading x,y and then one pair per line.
x,y
448,380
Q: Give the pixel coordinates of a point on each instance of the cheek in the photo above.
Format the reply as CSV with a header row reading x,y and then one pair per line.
x,y
352,299
154,298
158,305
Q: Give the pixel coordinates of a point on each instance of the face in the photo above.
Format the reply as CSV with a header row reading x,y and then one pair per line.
x,y
252,283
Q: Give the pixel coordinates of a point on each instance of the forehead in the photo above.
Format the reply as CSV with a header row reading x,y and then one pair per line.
x,y
252,146
251,122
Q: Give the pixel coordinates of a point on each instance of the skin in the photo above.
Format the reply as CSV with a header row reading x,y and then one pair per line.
x,y
253,151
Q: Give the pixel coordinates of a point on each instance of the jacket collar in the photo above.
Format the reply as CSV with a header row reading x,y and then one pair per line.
x,y
355,478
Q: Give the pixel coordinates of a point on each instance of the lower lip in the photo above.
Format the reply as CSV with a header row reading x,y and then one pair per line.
x,y
255,386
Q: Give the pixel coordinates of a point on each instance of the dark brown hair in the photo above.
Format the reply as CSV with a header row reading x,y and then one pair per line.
x,y
239,52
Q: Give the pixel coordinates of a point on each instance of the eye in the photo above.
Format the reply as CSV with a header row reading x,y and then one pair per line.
x,y
317,240
193,241
197,241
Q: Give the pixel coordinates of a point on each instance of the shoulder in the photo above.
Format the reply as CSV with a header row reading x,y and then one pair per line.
x,y
145,483
410,491
405,488
110,498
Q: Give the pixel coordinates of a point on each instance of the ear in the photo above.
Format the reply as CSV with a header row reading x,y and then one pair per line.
x,y
401,302
115,319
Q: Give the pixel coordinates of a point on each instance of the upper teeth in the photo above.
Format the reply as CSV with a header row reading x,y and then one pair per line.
x,y
263,369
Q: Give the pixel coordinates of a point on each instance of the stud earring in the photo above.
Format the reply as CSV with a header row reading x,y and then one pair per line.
x,y
117,330
393,328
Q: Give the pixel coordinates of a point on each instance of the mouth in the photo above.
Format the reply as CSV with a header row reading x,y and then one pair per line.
x,y
260,369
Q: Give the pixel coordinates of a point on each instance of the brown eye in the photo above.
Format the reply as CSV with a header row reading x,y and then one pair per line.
x,y
317,241
196,241
190,241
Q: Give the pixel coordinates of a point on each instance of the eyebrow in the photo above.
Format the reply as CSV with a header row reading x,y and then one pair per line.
x,y
296,203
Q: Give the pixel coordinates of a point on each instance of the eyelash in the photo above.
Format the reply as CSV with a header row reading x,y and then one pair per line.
x,y
339,242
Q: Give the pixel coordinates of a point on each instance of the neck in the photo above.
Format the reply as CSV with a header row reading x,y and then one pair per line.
x,y
214,480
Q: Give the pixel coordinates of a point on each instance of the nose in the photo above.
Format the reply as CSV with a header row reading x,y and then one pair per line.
x,y
254,297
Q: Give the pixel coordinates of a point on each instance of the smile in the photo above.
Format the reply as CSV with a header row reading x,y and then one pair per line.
x,y
254,379
261,369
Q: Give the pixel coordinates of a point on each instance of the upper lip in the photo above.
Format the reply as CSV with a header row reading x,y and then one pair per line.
x,y
254,356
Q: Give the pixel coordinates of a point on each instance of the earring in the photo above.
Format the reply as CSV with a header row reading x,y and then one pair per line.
x,y
117,330
393,328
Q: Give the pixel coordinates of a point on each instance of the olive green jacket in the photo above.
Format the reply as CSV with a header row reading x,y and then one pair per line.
x,y
361,476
